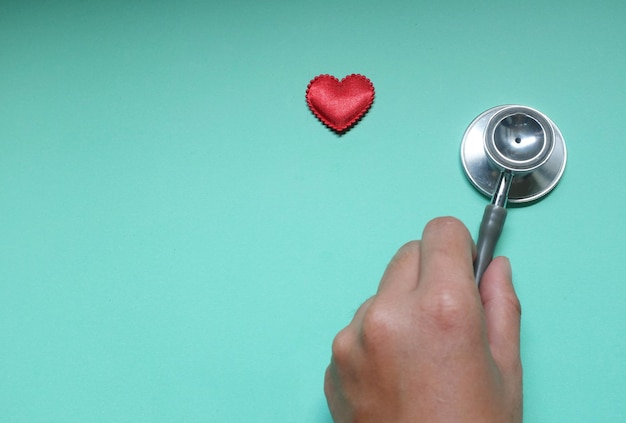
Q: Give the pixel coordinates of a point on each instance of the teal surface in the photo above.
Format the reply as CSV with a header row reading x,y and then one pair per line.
x,y
180,238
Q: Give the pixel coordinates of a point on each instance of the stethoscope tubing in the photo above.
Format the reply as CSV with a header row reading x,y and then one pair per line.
x,y
491,225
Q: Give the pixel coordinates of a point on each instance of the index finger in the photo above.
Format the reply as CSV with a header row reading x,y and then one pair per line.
x,y
446,256
402,272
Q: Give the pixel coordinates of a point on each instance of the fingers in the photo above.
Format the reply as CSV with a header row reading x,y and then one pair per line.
x,y
446,256
401,273
502,313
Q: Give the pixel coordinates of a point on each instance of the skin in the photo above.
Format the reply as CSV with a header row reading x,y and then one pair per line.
x,y
430,346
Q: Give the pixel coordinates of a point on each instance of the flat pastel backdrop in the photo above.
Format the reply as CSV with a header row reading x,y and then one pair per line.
x,y
180,239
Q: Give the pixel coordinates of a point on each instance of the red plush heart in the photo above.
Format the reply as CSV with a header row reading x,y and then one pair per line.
x,y
340,104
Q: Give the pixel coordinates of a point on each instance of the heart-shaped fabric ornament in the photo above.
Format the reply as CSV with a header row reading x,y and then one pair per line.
x,y
340,104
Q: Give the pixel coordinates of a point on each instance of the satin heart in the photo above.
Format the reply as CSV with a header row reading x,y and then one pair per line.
x,y
340,104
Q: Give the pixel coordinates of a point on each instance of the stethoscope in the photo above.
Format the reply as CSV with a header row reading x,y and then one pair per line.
x,y
512,154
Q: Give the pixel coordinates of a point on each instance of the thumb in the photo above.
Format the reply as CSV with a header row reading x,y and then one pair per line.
x,y
502,314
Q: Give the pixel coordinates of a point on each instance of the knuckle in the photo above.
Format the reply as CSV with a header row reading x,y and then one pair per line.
x,y
516,305
510,303
405,255
447,230
447,223
448,310
408,249
342,346
379,325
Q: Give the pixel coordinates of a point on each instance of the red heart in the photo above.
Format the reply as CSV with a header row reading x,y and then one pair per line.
x,y
340,104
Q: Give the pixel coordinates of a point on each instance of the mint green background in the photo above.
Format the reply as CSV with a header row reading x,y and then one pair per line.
x,y
180,238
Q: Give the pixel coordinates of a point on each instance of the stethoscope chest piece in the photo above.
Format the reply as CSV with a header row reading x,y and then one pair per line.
x,y
512,154
517,140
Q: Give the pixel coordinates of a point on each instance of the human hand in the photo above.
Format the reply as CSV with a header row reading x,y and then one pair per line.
x,y
430,346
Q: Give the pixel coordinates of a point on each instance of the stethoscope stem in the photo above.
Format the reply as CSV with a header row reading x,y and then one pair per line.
x,y
491,225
